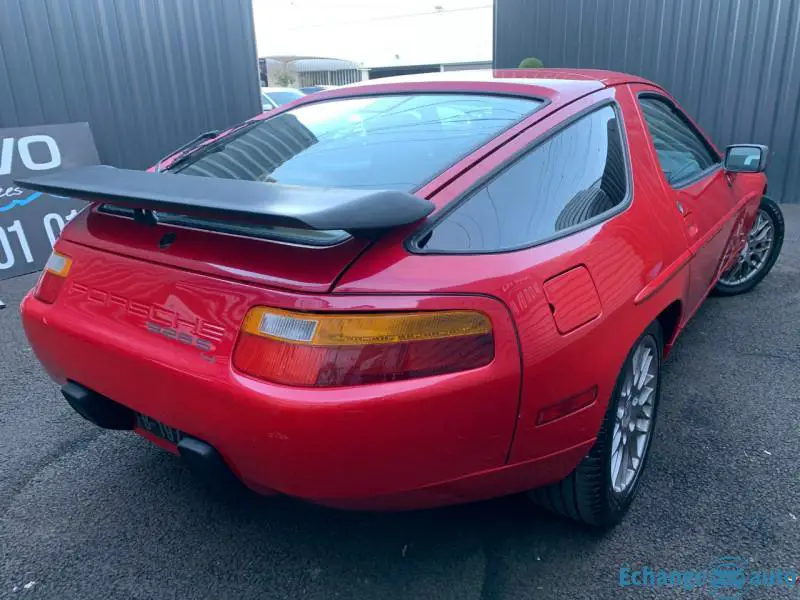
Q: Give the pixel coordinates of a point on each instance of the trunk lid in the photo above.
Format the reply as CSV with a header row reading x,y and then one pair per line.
x,y
294,267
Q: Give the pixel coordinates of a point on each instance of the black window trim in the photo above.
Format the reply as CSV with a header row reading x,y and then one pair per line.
x,y
691,179
411,243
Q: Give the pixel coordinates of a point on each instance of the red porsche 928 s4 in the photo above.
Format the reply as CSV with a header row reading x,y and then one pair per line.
x,y
407,293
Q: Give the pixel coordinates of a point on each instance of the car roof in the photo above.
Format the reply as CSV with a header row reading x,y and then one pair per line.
x,y
557,85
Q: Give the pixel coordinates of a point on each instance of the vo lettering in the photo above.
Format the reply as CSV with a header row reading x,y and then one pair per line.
x,y
11,147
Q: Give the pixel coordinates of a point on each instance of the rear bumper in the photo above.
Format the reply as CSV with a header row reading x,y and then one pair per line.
x,y
424,442
104,412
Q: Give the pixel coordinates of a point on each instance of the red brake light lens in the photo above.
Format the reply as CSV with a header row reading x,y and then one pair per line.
x,y
53,277
343,350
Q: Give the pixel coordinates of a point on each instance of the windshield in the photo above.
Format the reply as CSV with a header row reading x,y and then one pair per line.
x,y
281,98
380,142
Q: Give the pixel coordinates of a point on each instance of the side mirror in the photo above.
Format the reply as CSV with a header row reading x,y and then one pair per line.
x,y
746,158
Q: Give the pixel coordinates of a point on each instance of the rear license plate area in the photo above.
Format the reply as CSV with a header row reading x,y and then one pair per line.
x,y
158,429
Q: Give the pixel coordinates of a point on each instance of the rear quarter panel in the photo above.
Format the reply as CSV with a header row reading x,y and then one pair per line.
x,y
640,247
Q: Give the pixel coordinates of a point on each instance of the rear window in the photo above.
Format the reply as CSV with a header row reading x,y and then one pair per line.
x,y
379,142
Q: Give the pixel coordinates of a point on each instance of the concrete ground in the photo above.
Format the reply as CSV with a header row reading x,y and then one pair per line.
x,y
87,514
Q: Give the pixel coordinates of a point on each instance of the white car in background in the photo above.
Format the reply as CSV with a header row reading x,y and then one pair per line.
x,y
273,97
312,89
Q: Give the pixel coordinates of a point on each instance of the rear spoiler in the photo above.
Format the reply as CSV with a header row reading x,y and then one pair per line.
x,y
251,202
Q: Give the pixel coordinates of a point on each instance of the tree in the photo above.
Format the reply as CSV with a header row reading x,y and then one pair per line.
x,y
531,63
282,78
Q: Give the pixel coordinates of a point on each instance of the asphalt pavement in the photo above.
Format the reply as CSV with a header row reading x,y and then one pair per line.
x,y
87,514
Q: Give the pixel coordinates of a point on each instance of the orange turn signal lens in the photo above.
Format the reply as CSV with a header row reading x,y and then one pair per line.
x,y
359,329
53,276
349,349
58,264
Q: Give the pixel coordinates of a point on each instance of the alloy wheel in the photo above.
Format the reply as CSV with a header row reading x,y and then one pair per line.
x,y
633,423
755,254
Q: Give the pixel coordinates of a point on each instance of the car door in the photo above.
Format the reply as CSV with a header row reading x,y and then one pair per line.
x,y
693,178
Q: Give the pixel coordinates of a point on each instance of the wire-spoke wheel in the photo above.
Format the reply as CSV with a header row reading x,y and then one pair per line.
x,y
761,250
601,488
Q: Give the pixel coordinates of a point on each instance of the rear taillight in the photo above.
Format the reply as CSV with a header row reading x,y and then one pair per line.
x,y
338,349
53,277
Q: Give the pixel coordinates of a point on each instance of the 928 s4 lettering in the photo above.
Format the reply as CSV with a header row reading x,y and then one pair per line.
x,y
204,346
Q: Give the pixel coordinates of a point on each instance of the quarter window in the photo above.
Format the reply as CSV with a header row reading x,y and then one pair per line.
x,y
682,152
567,181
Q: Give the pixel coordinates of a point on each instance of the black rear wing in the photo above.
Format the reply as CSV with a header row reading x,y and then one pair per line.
x,y
250,202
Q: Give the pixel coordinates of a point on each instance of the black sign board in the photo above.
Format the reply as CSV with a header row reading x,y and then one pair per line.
x,y
31,222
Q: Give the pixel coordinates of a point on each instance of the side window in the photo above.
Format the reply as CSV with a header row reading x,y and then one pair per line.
x,y
573,177
682,152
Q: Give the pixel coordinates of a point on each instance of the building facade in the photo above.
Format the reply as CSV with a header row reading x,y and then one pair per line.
x,y
303,71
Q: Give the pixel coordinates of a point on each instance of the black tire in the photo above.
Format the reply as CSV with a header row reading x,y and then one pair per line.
x,y
773,211
587,494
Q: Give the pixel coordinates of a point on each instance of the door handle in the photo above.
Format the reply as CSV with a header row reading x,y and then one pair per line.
x,y
681,208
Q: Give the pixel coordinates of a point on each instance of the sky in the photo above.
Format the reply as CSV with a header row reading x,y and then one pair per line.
x,y
376,33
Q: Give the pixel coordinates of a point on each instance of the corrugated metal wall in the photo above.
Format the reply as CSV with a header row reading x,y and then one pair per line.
x,y
733,64
148,75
